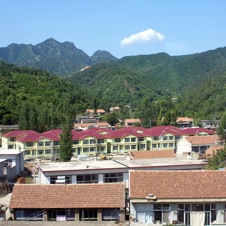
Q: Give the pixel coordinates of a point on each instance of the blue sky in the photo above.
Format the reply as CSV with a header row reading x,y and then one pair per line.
x,y
122,27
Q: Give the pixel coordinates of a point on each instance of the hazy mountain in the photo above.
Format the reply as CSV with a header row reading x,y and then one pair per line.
x,y
53,56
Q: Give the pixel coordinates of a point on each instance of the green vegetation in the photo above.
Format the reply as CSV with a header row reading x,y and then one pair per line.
x,y
217,161
35,99
66,141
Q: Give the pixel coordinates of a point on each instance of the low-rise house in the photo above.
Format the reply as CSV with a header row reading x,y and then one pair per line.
x,y
197,132
82,202
108,171
11,163
198,144
100,112
131,122
195,198
90,111
210,124
184,122
116,108
85,126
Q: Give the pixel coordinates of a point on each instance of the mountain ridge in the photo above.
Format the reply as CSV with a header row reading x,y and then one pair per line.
x,y
55,57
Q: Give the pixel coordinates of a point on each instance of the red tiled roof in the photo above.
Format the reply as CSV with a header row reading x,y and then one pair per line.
x,y
153,154
162,130
213,150
31,138
17,133
68,196
196,131
203,140
178,184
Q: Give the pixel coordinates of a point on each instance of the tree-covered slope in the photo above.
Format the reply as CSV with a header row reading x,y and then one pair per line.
x,y
172,75
112,85
41,93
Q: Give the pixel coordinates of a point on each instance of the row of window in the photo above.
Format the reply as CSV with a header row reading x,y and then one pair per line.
x,y
91,178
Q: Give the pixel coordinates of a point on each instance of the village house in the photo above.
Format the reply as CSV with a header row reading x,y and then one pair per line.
x,y
194,198
131,122
81,202
184,122
11,163
198,144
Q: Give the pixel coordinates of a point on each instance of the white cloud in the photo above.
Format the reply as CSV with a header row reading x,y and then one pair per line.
x,y
148,35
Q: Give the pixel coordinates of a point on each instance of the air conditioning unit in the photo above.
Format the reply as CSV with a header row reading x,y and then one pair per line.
x,y
151,197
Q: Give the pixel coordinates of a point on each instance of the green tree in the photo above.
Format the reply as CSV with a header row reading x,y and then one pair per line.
x,y
222,128
217,161
112,118
66,142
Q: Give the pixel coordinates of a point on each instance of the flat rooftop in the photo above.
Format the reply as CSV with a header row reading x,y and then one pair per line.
x,y
4,151
120,164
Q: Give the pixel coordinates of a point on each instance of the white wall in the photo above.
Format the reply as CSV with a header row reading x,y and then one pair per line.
x,y
183,146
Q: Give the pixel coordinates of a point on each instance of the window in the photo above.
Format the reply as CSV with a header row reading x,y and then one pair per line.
x,y
110,214
127,147
113,177
68,179
76,142
117,140
27,152
165,137
88,215
92,149
115,148
47,152
29,144
40,152
56,142
165,145
170,137
127,139
90,178
12,139
92,141
154,146
100,141
48,143
133,139
184,210
156,138
85,149
161,213
171,145
85,141
10,146
142,146
102,148
140,139
133,147
29,214
40,144
225,212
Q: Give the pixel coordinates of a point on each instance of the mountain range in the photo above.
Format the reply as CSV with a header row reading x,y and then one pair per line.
x,y
53,56
196,80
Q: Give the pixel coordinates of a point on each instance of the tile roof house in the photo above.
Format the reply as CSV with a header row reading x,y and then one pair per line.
x,y
131,122
184,122
180,197
197,144
71,202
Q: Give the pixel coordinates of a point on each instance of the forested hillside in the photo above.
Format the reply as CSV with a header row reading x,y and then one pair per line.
x,y
36,99
196,80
